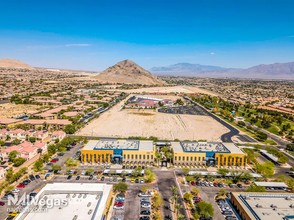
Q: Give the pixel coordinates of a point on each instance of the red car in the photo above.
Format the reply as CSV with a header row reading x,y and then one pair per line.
x,y
118,204
2,203
197,199
53,161
21,185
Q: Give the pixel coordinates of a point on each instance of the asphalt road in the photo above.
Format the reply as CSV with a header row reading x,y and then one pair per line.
x,y
165,180
227,137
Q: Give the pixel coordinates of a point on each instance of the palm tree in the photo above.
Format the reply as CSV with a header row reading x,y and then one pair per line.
x,y
174,190
178,207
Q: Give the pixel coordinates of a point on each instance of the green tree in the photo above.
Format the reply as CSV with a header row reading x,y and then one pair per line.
x,y
70,129
254,188
195,190
51,149
205,209
89,171
2,143
56,167
38,165
223,172
32,139
157,201
188,196
144,189
70,162
15,142
12,155
9,175
185,170
120,187
149,176
18,161
266,169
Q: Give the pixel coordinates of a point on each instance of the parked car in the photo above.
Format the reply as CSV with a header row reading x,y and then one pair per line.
x,y
15,191
239,185
32,194
2,203
227,212
118,206
144,218
78,177
142,181
102,178
136,180
231,217
118,203
21,186
146,206
60,154
69,177
32,177
123,179
145,212
196,199
141,194
37,176
91,177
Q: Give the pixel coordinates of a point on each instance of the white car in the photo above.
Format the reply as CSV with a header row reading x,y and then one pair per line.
x,y
146,206
144,194
118,207
15,191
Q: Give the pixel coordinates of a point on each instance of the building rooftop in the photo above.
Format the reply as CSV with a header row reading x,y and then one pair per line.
x,y
84,201
217,147
264,206
203,147
112,144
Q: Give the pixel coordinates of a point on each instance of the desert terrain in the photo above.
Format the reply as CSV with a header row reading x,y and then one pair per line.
x,y
118,122
170,89
9,110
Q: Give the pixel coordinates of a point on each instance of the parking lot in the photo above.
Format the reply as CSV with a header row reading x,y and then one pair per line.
x,y
189,110
33,186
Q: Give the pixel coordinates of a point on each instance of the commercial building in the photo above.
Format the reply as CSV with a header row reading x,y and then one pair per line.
x,y
208,153
85,201
143,152
263,206
118,151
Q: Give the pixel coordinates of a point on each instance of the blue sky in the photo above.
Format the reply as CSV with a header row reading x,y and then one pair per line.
x,y
93,34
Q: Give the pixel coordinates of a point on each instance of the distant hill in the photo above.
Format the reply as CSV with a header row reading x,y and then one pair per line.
x,y
187,67
128,72
11,63
274,71
263,71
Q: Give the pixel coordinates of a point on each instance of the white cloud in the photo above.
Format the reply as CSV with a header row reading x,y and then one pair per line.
x,y
212,53
78,45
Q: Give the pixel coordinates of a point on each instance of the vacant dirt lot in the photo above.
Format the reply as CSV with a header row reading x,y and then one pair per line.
x,y
9,110
171,89
125,123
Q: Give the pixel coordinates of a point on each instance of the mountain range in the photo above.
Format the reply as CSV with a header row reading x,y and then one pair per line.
x,y
263,71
